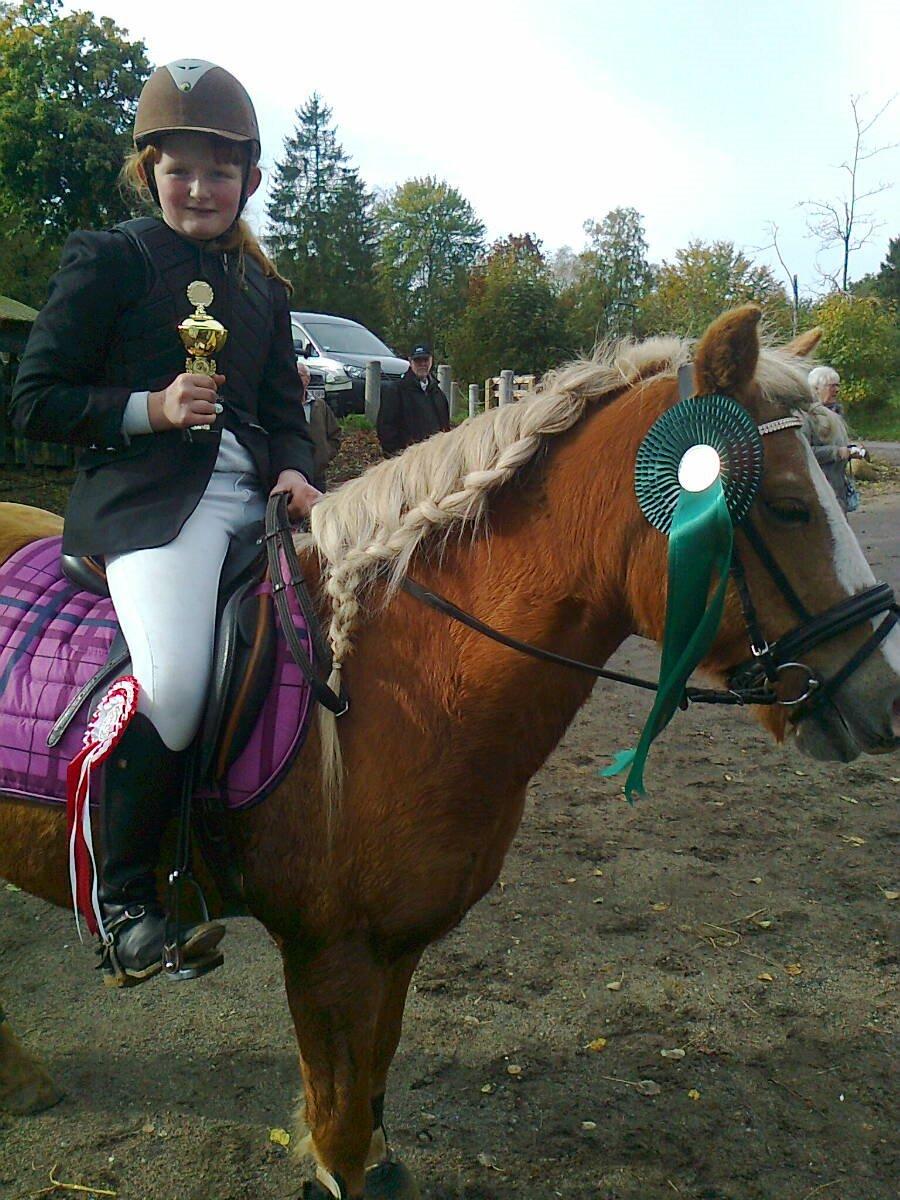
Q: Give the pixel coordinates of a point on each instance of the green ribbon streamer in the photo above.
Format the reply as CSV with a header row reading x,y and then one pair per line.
x,y
700,543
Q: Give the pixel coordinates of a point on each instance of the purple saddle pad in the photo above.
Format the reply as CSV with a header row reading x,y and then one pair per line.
x,y
54,638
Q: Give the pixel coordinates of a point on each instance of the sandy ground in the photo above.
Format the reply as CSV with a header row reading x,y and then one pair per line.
x,y
740,914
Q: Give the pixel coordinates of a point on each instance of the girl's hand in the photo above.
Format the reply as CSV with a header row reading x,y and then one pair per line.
x,y
188,400
301,495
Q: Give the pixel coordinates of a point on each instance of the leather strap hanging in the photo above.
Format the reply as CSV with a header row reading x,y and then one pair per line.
x,y
280,545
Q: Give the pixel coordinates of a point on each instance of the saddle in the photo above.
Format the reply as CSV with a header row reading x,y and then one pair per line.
x,y
243,657
60,648
243,665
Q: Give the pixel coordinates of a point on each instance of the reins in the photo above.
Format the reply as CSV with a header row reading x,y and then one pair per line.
x,y
280,544
692,695
753,681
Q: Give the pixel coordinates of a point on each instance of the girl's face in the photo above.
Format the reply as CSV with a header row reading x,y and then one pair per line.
x,y
199,186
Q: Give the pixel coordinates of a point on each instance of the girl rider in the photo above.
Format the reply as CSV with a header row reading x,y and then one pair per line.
x,y
174,464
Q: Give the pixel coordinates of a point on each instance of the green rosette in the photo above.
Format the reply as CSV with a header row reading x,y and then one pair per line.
x,y
700,525
714,420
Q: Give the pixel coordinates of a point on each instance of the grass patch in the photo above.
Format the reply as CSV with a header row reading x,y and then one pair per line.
x,y
356,421
878,427
883,425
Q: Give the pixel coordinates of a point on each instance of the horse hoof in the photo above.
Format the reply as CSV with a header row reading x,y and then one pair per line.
x,y
391,1181
25,1086
313,1190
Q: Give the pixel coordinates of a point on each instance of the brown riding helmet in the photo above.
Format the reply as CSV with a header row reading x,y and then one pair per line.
x,y
192,95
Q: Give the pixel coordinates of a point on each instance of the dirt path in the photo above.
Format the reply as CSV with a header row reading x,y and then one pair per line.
x,y
740,914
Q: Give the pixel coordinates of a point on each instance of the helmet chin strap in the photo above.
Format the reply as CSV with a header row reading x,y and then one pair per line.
x,y
245,191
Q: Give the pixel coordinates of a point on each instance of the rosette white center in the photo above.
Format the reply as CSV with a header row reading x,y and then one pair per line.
x,y
699,468
112,714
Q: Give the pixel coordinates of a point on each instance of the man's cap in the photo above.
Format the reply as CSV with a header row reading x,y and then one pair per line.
x,y
420,350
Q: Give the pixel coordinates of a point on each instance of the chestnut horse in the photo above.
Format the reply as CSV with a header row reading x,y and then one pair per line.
x,y
525,517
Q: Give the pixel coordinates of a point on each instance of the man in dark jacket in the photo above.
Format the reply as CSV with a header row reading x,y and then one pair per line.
x,y
415,408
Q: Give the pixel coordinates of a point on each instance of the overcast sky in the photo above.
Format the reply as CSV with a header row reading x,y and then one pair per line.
x,y
710,117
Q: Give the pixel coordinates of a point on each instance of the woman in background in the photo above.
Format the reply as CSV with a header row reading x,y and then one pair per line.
x,y
826,432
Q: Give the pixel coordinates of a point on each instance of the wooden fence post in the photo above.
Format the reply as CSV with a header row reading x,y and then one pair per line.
x,y
443,378
454,400
506,387
373,389
487,394
473,399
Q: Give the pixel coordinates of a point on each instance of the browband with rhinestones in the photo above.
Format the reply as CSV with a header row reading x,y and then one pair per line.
x,y
781,423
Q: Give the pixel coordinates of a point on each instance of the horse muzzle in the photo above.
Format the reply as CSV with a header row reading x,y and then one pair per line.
x,y
861,717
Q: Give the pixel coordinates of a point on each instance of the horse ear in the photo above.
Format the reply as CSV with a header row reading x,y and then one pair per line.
x,y
804,343
726,357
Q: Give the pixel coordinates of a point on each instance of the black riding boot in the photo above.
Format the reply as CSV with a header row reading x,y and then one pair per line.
x,y
142,787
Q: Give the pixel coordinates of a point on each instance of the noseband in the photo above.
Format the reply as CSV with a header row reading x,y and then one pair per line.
x,y
754,680
770,661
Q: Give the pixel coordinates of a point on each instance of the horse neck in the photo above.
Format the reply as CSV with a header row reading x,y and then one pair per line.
x,y
550,572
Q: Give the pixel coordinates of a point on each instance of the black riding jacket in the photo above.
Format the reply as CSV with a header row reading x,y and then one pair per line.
x,y
109,329
407,414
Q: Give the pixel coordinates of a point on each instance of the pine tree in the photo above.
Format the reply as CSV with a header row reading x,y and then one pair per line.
x,y
885,285
321,226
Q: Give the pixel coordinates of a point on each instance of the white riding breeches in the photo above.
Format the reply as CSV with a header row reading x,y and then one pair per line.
x,y
165,600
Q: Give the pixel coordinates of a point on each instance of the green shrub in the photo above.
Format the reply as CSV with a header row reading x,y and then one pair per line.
x,y
861,340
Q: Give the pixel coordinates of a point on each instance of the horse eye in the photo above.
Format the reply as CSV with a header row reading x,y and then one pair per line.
x,y
791,512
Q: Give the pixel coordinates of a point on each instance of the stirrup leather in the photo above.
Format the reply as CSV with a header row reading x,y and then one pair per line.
x,y
117,975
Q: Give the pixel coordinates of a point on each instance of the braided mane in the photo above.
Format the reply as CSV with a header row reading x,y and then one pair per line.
x,y
372,526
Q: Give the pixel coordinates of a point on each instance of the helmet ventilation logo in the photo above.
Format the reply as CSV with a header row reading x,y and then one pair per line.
x,y
187,72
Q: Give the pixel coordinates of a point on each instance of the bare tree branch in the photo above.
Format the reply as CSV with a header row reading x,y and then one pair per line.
x,y
840,222
792,277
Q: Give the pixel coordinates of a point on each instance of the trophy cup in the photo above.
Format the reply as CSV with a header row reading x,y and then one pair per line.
x,y
202,336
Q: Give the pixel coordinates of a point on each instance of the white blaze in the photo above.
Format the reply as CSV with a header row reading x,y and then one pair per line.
x,y
853,572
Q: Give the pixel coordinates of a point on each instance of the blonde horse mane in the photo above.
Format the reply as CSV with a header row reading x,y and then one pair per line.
x,y
373,525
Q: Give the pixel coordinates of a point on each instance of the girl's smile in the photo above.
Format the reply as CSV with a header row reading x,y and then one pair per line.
x,y
199,185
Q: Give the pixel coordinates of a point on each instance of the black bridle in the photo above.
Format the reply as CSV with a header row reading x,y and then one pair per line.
x,y
768,662
754,680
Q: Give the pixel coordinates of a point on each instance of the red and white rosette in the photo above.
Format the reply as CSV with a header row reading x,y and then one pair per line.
x,y
103,733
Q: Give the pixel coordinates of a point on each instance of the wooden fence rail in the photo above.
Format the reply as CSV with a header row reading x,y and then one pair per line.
x,y
506,387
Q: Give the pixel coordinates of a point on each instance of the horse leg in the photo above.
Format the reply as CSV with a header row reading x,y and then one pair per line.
x,y
25,1086
335,997
386,1177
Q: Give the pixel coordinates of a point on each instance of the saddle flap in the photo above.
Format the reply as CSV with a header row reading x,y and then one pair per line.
x,y
243,664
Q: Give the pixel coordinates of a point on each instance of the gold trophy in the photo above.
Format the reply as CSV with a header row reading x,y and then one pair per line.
x,y
202,335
